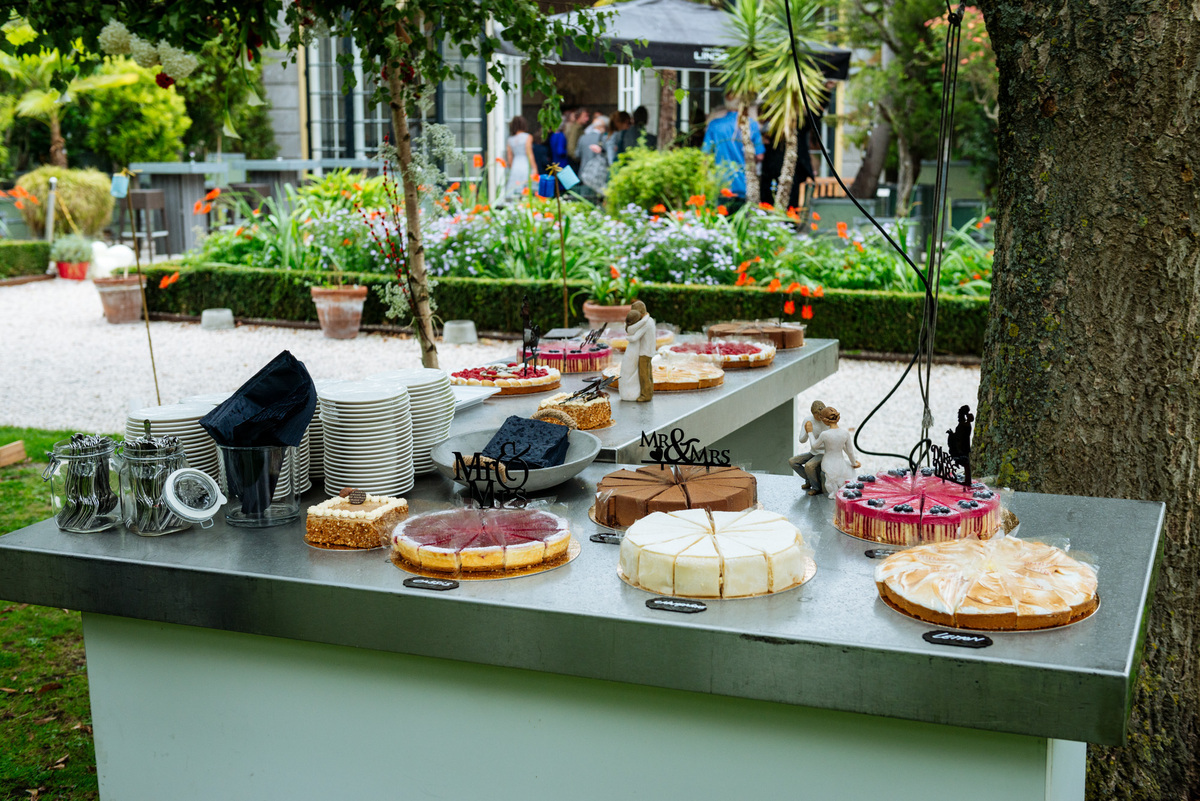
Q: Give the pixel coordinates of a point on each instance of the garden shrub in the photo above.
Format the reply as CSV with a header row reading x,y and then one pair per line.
x,y
646,178
136,122
23,258
85,193
879,321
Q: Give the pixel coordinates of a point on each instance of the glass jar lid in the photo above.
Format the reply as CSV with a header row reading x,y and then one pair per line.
x,y
193,495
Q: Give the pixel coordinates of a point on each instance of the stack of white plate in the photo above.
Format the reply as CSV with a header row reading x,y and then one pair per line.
x,y
304,459
180,420
432,404
368,440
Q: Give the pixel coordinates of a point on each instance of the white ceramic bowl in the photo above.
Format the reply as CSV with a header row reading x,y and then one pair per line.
x,y
581,452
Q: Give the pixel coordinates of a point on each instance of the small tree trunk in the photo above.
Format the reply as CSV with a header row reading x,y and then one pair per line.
x,y
58,145
790,155
866,182
906,179
667,80
418,280
748,154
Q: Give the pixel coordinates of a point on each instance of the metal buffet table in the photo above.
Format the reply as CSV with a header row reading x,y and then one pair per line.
x,y
243,664
752,413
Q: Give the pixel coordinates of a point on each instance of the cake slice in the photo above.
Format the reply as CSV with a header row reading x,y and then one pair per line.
x,y
656,565
744,569
342,523
698,570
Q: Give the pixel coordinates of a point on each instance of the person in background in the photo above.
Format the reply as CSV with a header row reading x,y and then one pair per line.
x,y
592,154
772,167
635,135
558,142
723,139
519,151
575,129
541,153
621,122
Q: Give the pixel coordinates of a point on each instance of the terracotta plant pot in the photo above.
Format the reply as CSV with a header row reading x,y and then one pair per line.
x,y
73,270
604,316
339,308
122,298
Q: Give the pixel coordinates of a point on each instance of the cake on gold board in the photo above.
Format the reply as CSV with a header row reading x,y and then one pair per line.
x,y
1001,584
353,521
782,336
730,354
677,376
510,379
482,541
899,508
625,496
695,553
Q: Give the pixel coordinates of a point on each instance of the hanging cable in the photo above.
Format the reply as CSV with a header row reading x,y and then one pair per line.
x,y
931,278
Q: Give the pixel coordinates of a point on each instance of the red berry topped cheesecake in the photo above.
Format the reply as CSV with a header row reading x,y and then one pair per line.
x,y
479,540
899,508
573,356
731,355
510,379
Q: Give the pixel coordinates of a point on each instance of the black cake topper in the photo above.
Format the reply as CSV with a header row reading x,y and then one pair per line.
x,y
958,451
490,481
531,335
594,389
674,449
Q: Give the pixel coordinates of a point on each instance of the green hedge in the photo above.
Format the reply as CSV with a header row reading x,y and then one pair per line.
x,y
879,321
23,258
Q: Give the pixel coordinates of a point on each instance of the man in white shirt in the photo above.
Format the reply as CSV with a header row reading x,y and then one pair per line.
x,y
808,465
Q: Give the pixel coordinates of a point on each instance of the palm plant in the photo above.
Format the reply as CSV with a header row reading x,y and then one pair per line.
x,y
742,73
784,110
36,74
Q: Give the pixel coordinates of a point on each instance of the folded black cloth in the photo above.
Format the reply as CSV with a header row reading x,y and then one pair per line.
x,y
272,408
538,443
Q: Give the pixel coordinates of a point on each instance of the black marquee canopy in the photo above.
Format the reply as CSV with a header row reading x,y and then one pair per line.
x,y
674,34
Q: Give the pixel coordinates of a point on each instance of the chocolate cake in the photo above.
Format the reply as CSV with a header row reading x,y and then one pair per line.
x,y
547,442
781,336
626,496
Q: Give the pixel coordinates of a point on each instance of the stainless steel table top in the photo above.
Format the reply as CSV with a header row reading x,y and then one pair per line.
x,y
709,414
830,643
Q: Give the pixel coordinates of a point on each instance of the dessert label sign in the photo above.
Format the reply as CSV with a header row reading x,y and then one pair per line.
x,y
879,553
683,605
675,448
958,639
605,538
423,583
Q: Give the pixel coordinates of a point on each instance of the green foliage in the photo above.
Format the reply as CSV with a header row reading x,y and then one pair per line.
x,y
71,248
23,258
135,122
344,189
647,178
85,194
220,86
881,321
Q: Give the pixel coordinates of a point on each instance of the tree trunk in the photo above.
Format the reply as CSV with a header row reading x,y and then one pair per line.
x,y
907,177
748,154
1089,379
791,153
866,182
58,145
417,279
667,80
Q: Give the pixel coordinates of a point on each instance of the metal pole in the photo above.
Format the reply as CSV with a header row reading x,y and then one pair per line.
x,y
50,203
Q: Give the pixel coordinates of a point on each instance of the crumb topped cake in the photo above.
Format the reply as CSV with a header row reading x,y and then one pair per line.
x,y
730,354
510,379
1001,584
899,508
700,554
587,413
481,540
341,523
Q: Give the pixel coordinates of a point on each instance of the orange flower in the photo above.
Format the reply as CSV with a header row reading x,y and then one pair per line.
x,y
804,291
724,212
653,218
346,242
819,292
549,216
502,162
198,207
207,208
477,161
987,219
454,186
727,192
816,216
256,212
792,287
613,271
213,193
812,226
742,267
20,204
167,280
658,208
774,285
976,276
525,191
789,308
766,207
696,200
860,247
32,199
238,232
743,279
842,230
806,312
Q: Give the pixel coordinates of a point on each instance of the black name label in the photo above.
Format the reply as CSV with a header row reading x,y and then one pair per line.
x,y
423,583
879,553
606,539
677,605
676,449
957,639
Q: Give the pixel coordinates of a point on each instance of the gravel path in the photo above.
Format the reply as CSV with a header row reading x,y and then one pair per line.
x,y
64,367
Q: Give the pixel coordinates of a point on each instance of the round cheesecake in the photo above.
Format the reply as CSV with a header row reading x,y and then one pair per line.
x,y
677,377
626,496
572,356
618,340
899,508
510,379
1001,584
698,554
481,540
730,354
781,336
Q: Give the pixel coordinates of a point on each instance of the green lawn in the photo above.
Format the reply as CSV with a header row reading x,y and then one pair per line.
x,y
46,749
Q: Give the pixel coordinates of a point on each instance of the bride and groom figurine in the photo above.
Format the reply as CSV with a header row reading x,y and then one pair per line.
x,y
831,460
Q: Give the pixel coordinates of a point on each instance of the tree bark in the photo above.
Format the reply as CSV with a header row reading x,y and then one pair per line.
x,y
791,154
667,80
1089,378
906,178
748,154
417,279
866,182
58,145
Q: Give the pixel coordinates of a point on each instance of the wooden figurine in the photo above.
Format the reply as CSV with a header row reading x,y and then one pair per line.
x,y
637,373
